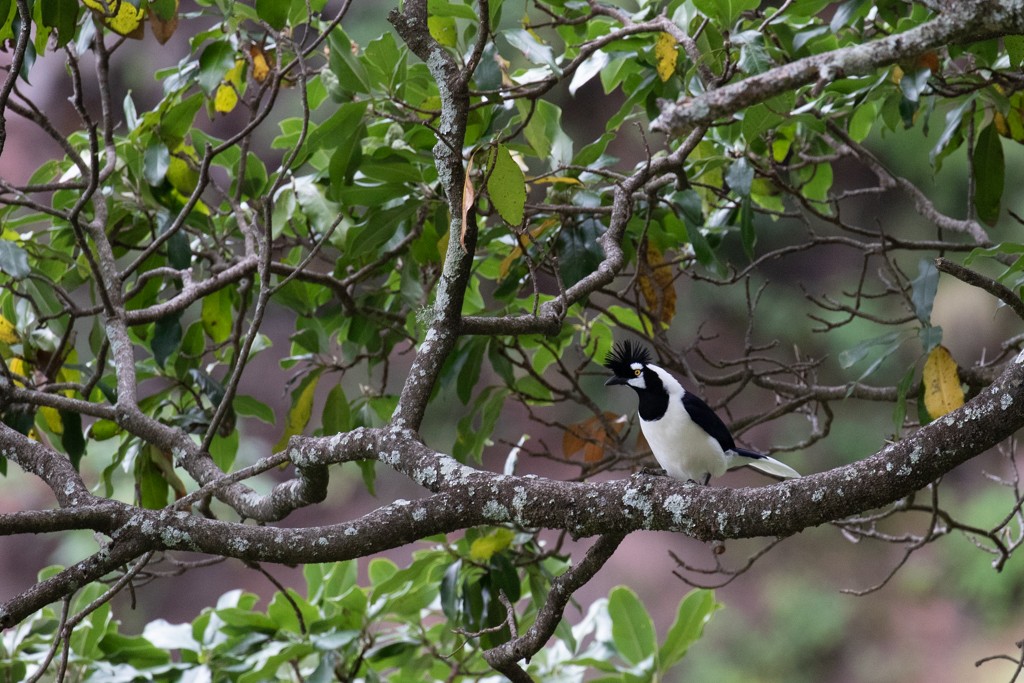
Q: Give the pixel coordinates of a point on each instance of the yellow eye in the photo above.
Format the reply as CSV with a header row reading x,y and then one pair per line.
x,y
638,372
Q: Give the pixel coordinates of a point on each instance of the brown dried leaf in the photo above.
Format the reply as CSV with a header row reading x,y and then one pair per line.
x,y
590,436
657,284
468,197
260,63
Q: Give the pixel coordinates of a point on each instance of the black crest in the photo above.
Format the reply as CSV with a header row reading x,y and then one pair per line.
x,y
624,355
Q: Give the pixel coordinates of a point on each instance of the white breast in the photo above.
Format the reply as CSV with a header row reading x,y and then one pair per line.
x,y
685,450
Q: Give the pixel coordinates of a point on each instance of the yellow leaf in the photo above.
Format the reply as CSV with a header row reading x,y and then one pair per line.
x,y
260,65
665,55
298,415
52,418
120,16
68,373
557,180
942,391
483,548
8,335
225,99
18,366
657,285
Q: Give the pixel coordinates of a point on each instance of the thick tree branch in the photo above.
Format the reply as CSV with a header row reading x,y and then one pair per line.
x,y
466,497
411,25
959,23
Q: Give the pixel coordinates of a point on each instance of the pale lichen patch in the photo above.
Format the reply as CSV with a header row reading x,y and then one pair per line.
x,y
676,506
636,499
519,499
496,511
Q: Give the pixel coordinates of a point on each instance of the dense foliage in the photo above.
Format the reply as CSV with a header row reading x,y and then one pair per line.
x,y
456,220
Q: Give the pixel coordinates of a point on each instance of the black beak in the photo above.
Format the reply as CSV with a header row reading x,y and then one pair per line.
x,y
615,379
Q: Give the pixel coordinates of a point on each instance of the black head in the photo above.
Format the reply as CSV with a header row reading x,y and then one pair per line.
x,y
628,361
631,364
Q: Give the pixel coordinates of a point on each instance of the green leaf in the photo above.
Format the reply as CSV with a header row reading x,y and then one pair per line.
x,y
591,66
886,345
337,416
695,611
754,57
450,591
13,259
949,138
377,230
177,121
989,174
544,133
484,547
247,406
274,12
60,15
351,73
217,315
380,570
156,160
443,8
149,480
72,439
443,30
329,580
632,628
725,11
179,251
166,337
579,252
345,160
747,233
739,176
535,51
1015,49
368,471
336,129
899,413
848,12
217,59
863,120
506,186
469,369
923,290
757,120
384,61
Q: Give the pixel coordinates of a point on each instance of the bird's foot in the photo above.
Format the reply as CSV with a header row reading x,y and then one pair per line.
x,y
652,471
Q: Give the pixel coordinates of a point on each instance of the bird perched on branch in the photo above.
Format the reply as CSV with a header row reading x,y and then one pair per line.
x,y
685,435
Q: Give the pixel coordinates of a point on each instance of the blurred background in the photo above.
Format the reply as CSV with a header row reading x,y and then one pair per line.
x,y
788,618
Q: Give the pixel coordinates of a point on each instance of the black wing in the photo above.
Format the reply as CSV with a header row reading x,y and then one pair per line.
x,y
706,419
